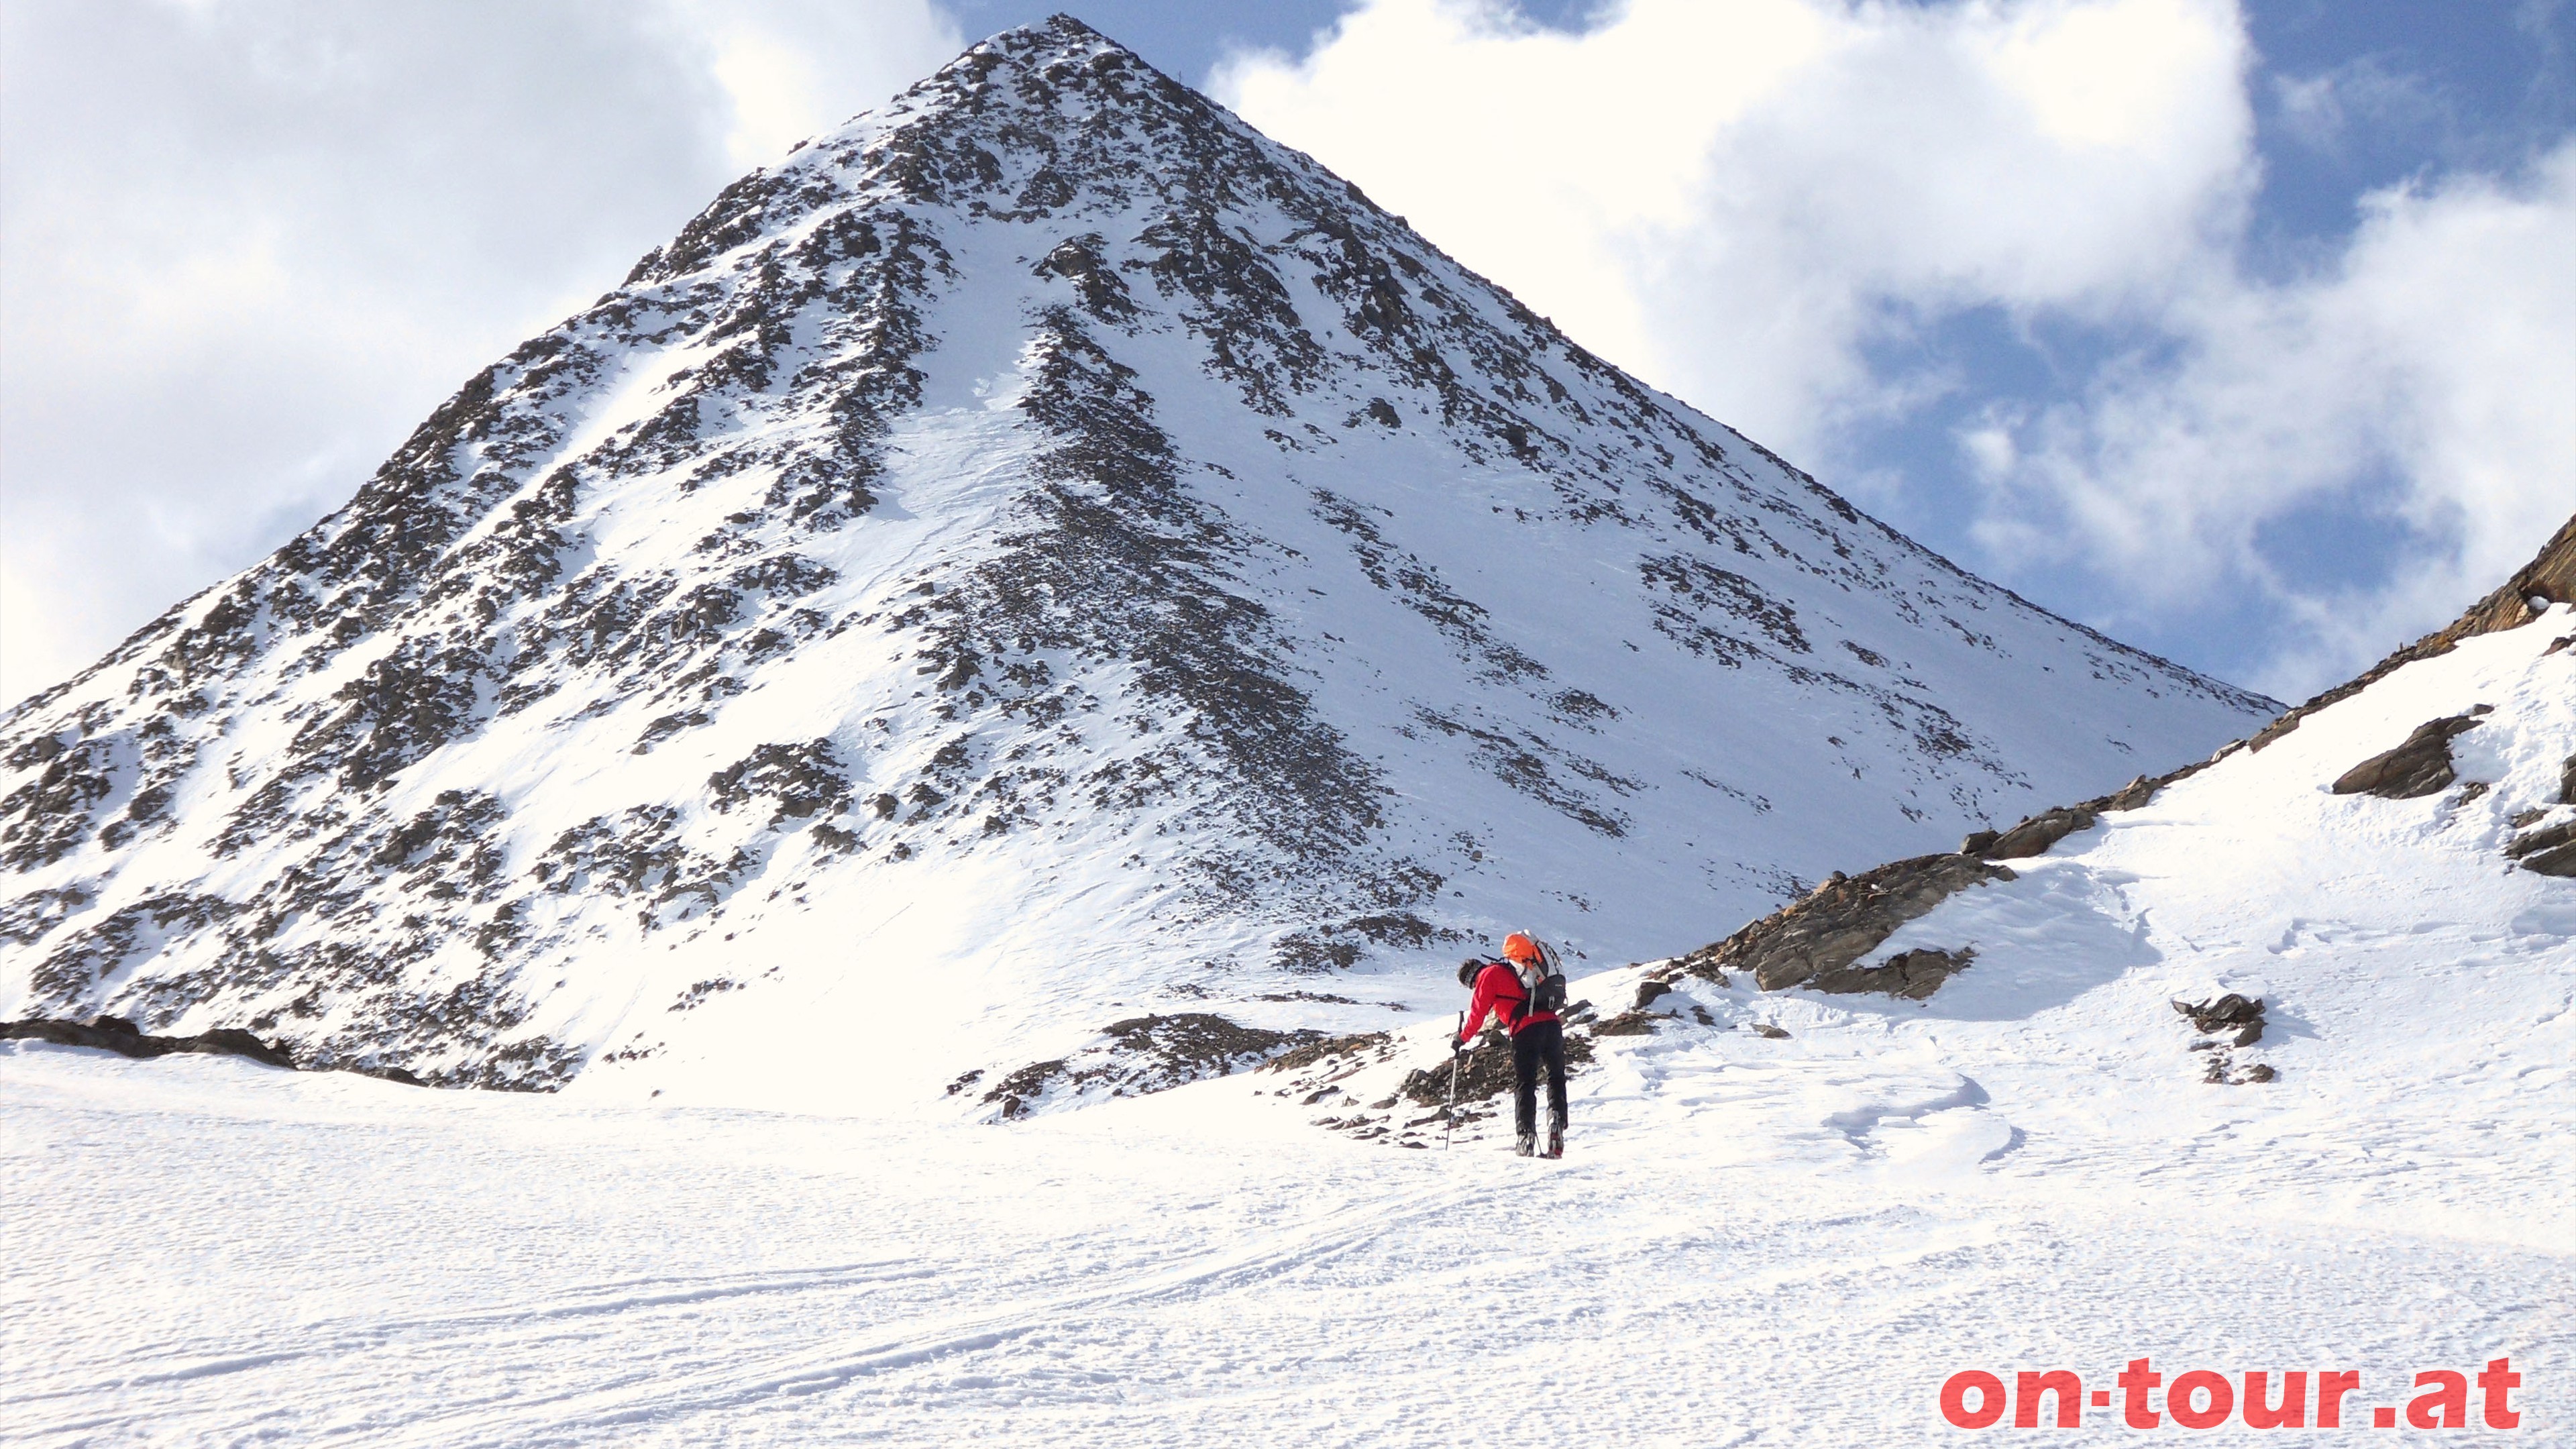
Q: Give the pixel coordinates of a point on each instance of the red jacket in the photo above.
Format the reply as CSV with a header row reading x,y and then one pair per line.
x,y
1499,990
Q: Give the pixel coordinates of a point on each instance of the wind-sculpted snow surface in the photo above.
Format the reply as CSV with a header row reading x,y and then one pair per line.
x,y
1043,554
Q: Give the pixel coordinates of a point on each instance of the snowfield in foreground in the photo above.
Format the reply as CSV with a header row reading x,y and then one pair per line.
x,y
1755,1239
336,1259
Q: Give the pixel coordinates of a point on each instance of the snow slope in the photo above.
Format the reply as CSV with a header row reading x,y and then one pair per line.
x,y
2418,988
1041,556
1754,1240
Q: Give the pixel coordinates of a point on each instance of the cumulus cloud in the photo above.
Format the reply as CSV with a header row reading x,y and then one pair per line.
x,y
2428,376
1763,205
251,242
1734,196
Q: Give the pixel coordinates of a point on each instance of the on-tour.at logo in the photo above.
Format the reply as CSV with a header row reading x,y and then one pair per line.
x,y
2206,1398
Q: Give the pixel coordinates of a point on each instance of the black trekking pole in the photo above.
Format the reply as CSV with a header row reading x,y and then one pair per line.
x,y
1449,1122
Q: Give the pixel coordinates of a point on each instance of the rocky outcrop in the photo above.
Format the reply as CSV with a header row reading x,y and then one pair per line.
x,y
1347,1052
1819,942
1143,1054
2550,850
2032,836
2227,1023
2238,1018
1815,941
123,1037
2421,766
1913,975
118,1035
2550,578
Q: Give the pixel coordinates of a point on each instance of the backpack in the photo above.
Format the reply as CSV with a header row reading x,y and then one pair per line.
x,y
1544,984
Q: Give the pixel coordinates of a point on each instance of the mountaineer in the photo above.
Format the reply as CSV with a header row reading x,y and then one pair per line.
x,y
1525,991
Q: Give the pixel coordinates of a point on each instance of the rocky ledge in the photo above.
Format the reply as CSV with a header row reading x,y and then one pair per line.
x,y
1134,1057
123,1037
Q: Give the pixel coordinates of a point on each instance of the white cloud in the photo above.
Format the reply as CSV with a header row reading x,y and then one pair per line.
x,y
1728,195
1757,203
2321,110
250,243
1990,448
790,68
2435,363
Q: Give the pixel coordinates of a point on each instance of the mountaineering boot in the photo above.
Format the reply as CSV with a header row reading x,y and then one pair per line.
x,y
1526,1144
1555,1142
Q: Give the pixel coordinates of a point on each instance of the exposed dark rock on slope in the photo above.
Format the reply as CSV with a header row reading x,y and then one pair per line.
x,y
2550,850
2420,766
123,1037
116,1034
1814,942
1140,1055
2237,1017
1041,551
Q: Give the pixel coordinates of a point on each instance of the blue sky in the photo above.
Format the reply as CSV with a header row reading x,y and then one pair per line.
x,y
2246,332
2477,87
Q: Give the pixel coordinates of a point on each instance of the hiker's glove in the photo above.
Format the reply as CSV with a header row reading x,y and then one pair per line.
x,y
1457,1048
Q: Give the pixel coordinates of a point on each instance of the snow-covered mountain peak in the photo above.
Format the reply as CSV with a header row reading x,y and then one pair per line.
x,y
1041,559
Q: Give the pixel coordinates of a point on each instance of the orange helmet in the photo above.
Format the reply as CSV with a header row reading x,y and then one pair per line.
x,y
1521,949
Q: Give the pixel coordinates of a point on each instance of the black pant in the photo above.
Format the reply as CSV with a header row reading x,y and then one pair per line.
x,y
1540,1041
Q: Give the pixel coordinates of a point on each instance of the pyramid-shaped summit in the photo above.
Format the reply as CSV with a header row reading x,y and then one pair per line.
x,y
1041,559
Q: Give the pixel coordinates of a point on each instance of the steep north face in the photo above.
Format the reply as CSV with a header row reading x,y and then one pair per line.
x,y
1041,553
